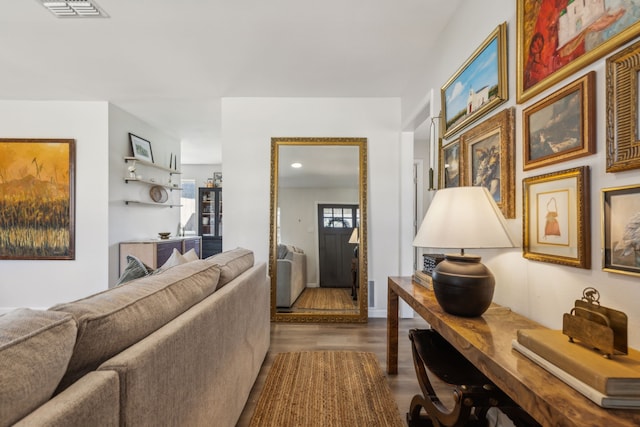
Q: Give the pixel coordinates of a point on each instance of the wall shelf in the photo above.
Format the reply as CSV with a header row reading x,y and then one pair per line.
x,y
151,183
152,165
162,205
144,181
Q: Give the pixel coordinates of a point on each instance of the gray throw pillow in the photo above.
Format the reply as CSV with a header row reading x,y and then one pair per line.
x,y
135,269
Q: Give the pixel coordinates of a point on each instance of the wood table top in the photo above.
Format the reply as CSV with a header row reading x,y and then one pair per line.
x,y
486,342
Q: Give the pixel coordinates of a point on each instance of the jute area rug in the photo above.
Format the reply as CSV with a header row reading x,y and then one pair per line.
x,y
326,389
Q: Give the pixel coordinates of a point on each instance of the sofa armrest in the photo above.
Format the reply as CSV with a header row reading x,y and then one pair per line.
x,y
93,400
283,283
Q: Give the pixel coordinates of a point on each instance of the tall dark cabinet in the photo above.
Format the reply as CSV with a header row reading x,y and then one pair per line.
x,y
210,220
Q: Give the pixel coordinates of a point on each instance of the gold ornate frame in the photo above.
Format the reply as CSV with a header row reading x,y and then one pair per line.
x,y
586,109
363,307
502,126
525,15
570,244
619,203
623,145
499,34
444,182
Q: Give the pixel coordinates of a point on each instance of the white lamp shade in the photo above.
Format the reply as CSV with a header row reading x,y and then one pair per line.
x,y
354,236
461,218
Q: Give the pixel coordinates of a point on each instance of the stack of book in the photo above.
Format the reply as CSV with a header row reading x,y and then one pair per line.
x,y
610,383
422,279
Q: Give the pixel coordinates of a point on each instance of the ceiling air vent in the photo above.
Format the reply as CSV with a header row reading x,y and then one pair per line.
x,y
74,9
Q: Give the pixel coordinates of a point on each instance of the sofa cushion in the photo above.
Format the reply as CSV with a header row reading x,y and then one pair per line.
x,y
135,269
111,321
35,349
232,263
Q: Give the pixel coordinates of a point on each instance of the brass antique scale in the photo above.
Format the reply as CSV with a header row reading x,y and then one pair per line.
x,y
596,326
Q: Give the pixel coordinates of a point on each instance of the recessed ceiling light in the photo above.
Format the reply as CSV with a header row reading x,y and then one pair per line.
x,y
74,9
296,165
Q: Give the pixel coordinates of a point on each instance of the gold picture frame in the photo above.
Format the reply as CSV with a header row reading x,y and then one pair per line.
x,y
449,164
38,199
561,126
556,218
482,79
540,64
487,159
623,145
620,216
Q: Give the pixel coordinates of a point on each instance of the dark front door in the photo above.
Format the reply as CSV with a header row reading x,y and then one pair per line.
x,y
335,225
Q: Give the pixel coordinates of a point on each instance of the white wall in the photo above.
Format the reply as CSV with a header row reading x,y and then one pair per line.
x,y
132,222
248,124
541,291
40,284
199,173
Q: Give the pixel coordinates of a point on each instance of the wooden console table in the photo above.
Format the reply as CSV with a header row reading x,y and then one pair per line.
x,y
486,342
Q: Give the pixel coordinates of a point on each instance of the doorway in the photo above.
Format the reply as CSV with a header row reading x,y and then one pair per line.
x,y
335,225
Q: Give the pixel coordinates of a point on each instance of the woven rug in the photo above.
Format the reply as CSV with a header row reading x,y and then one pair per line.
x,y
325,299
326,389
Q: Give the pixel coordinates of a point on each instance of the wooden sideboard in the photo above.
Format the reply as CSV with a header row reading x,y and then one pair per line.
x,y
486,342
155,252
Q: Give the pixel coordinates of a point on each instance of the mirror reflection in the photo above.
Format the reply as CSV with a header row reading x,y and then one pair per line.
x,y
318,237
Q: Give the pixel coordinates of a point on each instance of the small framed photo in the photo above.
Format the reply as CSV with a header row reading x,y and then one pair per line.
x,y
217,179
487,159
450,164
623,114
556,218
561,126
621,230
141,148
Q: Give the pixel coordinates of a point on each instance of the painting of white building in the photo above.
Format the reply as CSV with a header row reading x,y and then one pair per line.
x,y
477,99
577,16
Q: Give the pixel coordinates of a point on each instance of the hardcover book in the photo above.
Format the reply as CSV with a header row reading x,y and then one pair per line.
x,y
618,376
620,402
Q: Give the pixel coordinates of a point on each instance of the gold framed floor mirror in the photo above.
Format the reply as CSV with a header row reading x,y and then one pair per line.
x,y
318,230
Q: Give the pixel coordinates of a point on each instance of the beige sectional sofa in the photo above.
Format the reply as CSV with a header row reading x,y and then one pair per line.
x,y
179,348
291,276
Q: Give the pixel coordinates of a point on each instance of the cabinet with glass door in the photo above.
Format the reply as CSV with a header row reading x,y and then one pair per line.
x,y
210,220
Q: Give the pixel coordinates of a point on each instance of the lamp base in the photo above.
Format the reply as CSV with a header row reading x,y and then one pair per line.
x,y
463,286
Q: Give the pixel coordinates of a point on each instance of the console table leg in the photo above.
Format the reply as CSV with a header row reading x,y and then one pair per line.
x,y
392,332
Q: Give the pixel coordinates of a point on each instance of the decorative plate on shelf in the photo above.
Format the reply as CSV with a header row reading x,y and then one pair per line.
x,y
158,194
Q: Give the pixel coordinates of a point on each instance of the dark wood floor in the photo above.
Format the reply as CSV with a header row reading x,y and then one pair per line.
x,y
370,337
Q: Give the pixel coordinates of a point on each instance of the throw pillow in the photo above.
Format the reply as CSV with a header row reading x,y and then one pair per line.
x,y
135,269
191,255
176,258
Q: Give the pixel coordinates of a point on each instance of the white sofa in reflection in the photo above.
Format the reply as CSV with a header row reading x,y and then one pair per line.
x,y
291,275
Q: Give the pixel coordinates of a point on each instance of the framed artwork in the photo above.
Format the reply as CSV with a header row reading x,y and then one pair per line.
x,y
621,230
141,148
557,38
623,116
487,159
449,164
561,126
37,199
479,86
556,218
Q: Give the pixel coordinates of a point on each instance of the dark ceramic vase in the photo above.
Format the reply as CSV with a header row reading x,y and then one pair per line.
x,y
463,285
